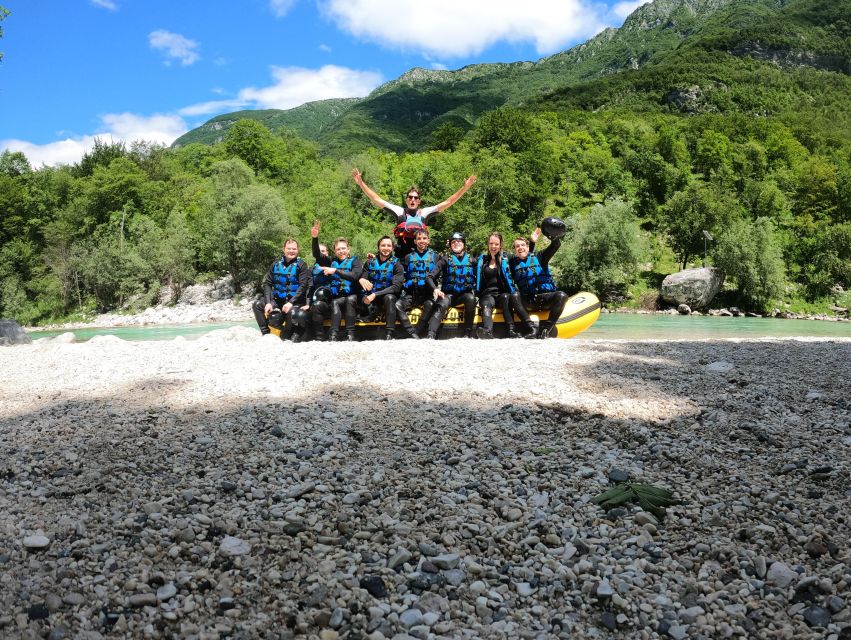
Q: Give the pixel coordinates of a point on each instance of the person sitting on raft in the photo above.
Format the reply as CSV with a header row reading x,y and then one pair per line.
x,y
285,288
381,282
419,284
345,271
494,284
457,285
410,216
531,272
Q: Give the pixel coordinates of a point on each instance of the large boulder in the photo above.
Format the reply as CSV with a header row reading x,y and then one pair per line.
x,y
11,333
693,287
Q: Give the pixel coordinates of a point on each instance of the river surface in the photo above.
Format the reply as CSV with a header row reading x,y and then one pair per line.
x,y
610,326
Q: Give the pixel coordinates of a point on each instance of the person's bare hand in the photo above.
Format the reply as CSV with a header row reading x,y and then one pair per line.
x,y
314,230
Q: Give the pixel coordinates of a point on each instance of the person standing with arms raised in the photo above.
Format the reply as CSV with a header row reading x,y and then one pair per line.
x,y
410,217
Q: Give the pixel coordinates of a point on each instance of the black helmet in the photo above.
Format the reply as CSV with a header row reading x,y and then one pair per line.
x,y
299,317
323,294
553,228
456,236
276,319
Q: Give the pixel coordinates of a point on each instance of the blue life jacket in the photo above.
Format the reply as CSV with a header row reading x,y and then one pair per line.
x,y
339,286
285,278
417,268
531,277
381,274
458,275
319,277
504,271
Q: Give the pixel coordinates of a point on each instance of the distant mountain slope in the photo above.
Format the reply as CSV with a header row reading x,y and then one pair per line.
x,y
663,39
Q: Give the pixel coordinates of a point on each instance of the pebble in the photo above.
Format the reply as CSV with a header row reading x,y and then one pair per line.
x,y
232,546
780,575
36,542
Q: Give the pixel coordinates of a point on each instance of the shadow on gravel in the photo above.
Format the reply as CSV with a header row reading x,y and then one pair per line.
x,y
475,516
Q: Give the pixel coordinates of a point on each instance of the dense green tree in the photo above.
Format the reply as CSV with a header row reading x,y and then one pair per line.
x,y
3,14
603,252
241,224
699,207
749,253
446,137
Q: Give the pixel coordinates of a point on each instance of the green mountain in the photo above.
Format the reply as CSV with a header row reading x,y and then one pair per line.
x,y
670,55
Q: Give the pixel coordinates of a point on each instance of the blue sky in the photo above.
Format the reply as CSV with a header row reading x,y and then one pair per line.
x,y
154,69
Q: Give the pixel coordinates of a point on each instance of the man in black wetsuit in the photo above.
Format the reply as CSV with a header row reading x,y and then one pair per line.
x,y
381,283
410,217
457,274
419,284
285,289
531,272
344,271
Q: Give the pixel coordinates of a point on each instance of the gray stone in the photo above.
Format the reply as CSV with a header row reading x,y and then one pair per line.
x,y
780,575
835,604
299,490
166,592
231,546
817,616
399,558
36,542
693,287
143,600
684,310
446,561
337,617
678,631
410,618
11,333
719,367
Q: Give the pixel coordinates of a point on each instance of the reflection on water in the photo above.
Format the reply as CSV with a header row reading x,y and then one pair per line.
x,y
610,326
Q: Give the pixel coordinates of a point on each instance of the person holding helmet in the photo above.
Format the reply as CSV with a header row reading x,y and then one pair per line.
x,y
419,284
531,272
285,288
494,285
410,217
381,283
457,273
344,272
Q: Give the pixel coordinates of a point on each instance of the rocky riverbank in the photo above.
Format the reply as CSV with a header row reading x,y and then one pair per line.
x,y
235,487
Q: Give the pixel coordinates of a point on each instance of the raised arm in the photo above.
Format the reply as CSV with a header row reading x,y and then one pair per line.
x,y
374,197
469,182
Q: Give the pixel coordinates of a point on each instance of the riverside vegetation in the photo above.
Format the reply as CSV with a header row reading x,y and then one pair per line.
x,y
725,116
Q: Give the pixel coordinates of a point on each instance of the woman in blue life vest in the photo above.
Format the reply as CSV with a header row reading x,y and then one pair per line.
x,y
457,273
285,288
495,285
344,271
381,282
410,217
531,272
419,284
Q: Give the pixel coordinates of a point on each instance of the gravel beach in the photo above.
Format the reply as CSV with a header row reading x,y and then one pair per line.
x,y
240,487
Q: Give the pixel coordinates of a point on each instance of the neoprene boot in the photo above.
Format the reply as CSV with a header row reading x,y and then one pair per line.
x,y
388,335
544,330
431,336
530,331
468,333
484,334
333,337
512,333
350,335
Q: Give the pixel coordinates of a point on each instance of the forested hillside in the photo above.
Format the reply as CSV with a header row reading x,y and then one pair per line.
x,y
729,117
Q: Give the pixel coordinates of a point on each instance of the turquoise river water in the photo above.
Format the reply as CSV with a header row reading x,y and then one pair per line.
x,y
611,326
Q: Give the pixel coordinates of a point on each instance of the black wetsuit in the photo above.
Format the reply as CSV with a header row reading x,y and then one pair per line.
x,y
286,281
344,292
537,288
495,285
419,289
457,276
387,280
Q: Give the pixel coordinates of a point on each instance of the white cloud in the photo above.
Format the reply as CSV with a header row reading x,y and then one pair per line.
x,y
105,4
623,9
451,28
294,86
281,7
175,46
325,48
127,127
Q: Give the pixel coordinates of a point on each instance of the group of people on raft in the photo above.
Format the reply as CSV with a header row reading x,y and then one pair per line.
x,y
297,299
